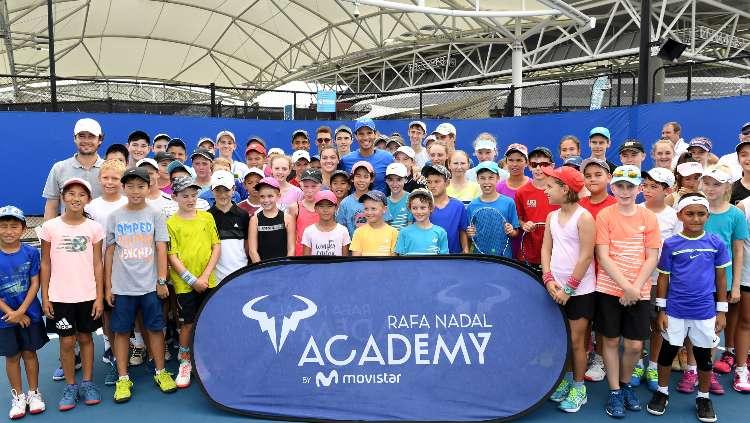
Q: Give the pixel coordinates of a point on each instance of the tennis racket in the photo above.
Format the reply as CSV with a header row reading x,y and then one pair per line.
x,y
537,225
490,238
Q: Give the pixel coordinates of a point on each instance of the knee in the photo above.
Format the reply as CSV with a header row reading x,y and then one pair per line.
x,y
611,342
84,339
28,356
13,359
633,347
702,358
67,342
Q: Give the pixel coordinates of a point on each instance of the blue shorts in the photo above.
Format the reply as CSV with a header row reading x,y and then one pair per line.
x,y
127,306
16,339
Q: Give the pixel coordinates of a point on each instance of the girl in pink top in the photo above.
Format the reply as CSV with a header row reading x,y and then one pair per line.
x,y
72,287
304,211
281,166
567,263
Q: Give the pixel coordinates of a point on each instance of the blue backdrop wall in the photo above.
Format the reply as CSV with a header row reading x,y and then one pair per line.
x,y
33,141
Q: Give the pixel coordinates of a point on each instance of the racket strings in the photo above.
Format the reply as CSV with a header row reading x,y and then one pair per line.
x,y
490,237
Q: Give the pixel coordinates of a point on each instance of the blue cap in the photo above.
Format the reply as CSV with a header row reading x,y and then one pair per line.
x,y
488,165
600,130
544,150
574,161
374,195
364,123
12,211
174,165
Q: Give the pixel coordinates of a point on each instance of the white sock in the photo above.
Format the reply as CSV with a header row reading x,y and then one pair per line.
x,y
740,369
639,363
692,368
663,389
730,350
652,365
126,377
138,340
107,345
702,394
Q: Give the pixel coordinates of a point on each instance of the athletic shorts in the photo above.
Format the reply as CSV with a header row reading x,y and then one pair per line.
x,y
581,307
189,303
613,320
700,332
16,339
127,306
652,312
73,318
744,288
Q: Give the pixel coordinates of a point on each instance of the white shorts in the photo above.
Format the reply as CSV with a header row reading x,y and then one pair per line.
x,y
700,332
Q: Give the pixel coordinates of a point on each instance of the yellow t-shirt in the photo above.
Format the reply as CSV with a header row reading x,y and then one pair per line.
x,y
192,240
374,242
467,193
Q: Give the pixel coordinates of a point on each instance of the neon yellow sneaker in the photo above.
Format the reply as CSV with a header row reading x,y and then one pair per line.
x,y
122,390
164,381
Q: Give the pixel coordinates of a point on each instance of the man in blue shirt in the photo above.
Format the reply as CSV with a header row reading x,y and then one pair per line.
x,y
364,130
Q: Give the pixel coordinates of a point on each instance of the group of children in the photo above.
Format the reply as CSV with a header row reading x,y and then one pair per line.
x,y
163,235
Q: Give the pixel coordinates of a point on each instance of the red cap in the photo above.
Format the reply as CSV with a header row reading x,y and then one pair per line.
x,y
325,195
568,175
255,147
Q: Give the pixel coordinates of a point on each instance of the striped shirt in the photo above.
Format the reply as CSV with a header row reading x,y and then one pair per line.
x,y
628,238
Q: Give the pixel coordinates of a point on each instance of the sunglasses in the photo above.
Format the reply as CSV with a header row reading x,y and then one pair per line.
x,y
324,139
630,174
746,132
534,165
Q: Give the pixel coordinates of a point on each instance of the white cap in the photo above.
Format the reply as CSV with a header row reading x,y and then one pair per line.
x,y
397,169
717,174
87,125
660,174
147,160
445,128
418,123
406,150
300,154
225,132
485,145
689,168
252,170
276,150
222,178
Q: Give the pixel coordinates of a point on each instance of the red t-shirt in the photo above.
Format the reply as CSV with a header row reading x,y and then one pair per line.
x,y
595,208
532,205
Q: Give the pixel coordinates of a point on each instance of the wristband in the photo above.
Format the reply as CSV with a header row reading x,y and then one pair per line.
x,y
722,306
547,277
188,277
573,282
661,302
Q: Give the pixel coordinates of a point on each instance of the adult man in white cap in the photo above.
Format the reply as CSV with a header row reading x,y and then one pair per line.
x,y
445,133
85,164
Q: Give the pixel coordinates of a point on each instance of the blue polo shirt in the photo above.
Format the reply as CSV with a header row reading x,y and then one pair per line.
x,y
379,160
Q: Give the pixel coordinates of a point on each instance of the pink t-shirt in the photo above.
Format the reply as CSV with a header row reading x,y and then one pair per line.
x,y
291,196
305,218
72,259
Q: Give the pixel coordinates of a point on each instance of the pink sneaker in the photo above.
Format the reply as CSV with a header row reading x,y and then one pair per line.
x,y
724,364
741,383
687,382
716,387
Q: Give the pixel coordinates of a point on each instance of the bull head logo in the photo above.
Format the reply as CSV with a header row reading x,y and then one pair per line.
x,y
268,323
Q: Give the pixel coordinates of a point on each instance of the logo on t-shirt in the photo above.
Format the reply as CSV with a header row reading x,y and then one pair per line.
x,y
73,244
531,203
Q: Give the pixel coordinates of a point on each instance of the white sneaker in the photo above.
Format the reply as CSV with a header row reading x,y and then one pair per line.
x,y
183,374
35,401
595,372
136,356
17,405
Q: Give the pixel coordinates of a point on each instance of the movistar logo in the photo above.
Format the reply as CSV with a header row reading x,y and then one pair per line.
x,y
322,379
268,323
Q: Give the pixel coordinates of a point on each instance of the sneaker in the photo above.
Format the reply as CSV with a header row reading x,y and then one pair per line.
x,y
108,357
17,405
69,398
630,398
705,410
595,372
136,356
658,404
575,399
687,382
122,390
716,387
165,382
652,379
741,383
150,366
561,392
682,358
635,378
58,374
36,402
167,352
111,376
725,363
183,374
615,406
89,393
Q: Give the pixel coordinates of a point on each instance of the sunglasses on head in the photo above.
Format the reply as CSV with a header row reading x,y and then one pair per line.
x,y
630,173
534,165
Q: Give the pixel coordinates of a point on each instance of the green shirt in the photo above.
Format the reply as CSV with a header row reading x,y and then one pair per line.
x,y
191,240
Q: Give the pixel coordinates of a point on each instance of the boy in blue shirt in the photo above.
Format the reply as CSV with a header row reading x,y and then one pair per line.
x,y
395,177
422,237
691,300
488,174
448,213
22,330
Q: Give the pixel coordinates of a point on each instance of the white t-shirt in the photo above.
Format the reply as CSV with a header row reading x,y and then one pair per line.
x,y
421,157
232,257
325,243
730,160
239,169
100,209
680,147
669,225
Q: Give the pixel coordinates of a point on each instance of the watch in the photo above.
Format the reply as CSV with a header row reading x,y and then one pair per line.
x,y
161,281
568,290
659,309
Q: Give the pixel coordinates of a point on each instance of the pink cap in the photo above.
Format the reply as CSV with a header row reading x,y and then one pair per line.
x,y
365,164
325,195
268,181
77,181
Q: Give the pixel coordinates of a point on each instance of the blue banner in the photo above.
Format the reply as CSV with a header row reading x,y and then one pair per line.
x,y
326,101
451,338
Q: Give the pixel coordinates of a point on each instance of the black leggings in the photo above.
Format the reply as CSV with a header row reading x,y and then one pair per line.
x,y
669,352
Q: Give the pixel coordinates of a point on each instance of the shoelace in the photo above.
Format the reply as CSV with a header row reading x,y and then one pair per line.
x,y
69,392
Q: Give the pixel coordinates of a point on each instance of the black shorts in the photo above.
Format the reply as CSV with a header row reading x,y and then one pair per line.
x,y
613,320
73,318
581,307
189,303
744,288
16,339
